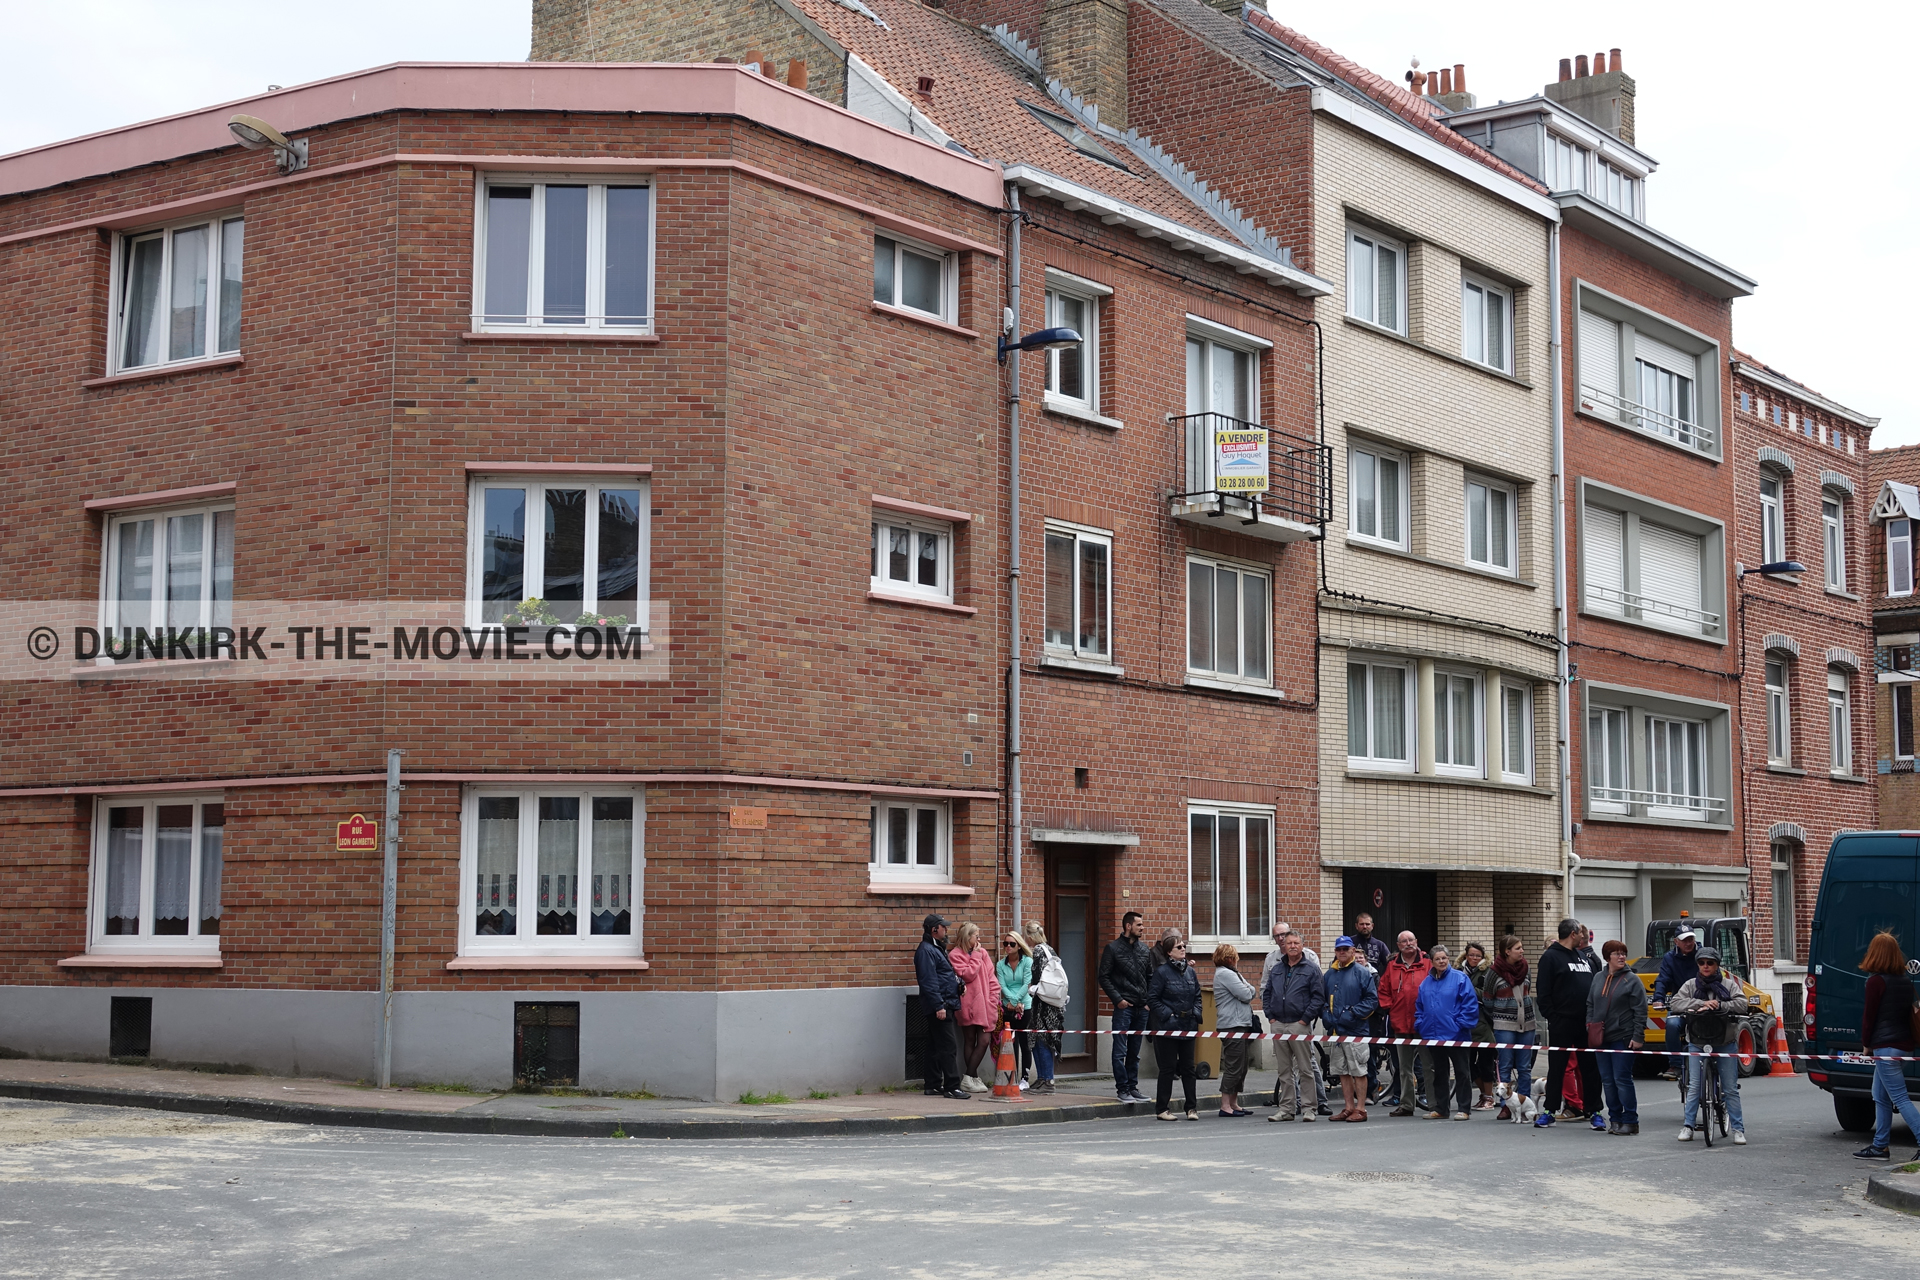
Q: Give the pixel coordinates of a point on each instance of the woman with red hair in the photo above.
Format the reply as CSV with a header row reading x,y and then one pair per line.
x,y
1887,1032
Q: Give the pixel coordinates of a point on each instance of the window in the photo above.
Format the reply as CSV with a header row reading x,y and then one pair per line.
x,y
1666,397
1377,495
1230,873
1785,936
1376,280
579,546
1229,610
1609,784
1833,541
1516,733
1223,377
1379,716
1779,727
910,842
1902,720
911,558
1839,723
1071,370
1486,324
1490,525
1637,569
178,293
1677,763
1645,382
1457,732
157,867
1617,189
579,854
170,569
1772,537
1079,592
912,276
1899,557
1566,165
569,254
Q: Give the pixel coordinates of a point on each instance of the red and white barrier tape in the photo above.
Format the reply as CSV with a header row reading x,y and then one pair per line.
x,y
1855,1057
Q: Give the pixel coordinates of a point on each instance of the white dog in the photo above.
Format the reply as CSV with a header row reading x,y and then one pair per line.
x,y
1521,1114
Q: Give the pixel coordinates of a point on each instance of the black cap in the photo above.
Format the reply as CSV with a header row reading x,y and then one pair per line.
x,y
934,921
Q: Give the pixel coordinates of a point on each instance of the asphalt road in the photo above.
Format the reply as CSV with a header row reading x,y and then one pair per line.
x,y
103,1191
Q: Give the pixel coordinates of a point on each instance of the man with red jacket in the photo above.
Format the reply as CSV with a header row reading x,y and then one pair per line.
x,y
1399,989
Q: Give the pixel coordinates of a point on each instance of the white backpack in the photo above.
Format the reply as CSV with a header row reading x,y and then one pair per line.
x,y
1052,986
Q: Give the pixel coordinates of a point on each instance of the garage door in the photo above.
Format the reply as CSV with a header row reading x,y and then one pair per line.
x,y
1606,917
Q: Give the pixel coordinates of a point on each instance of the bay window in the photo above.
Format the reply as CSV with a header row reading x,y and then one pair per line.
x,y
177,293
157,875
1379,716
1230,873
571,254
1899,557
576,545
1457,729
1516,734
551,871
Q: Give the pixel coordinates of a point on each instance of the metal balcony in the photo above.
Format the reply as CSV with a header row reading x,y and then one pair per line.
x,y
1646,420
1298,502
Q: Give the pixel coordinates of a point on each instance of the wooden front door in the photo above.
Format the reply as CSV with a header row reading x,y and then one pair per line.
x,y
1073,926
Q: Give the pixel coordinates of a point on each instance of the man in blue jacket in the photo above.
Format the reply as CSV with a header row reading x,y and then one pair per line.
x,y
1352,996
1447,1008
1678,967
940,997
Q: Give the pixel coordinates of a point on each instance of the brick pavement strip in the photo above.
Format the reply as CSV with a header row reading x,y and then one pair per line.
x,y
306,1100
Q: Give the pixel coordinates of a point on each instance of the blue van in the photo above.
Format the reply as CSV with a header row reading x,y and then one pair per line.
x,y
1872,882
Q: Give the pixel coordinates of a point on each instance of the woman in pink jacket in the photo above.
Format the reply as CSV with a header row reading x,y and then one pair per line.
x,y
979,1002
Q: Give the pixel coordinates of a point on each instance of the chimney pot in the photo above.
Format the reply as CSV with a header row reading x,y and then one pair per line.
x,y
1446,81
926,84
1613,62
1580,71
1418,79
755,59
1459,77
1566,69
797,72
1599,64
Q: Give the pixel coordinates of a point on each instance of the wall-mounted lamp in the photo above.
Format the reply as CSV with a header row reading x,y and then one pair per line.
x,y
1769,569
1041,340
253,133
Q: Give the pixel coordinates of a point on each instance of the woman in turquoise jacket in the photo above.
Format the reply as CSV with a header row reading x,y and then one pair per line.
x,y
1014,969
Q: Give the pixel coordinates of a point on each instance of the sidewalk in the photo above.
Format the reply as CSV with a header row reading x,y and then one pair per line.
x,y
334,1102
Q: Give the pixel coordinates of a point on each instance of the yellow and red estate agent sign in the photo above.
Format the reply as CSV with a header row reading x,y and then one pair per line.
x,y
357,835
1240,460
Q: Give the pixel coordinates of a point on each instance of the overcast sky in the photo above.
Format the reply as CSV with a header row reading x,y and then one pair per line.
x,y
1785,132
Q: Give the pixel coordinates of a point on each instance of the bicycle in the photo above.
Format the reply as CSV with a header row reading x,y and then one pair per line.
x,y
1713,1101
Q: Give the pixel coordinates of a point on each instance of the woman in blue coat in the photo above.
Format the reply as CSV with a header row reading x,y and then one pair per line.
x,y
1447,1008
1173,1000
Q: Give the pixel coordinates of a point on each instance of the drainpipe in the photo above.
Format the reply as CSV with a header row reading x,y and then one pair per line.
x,y
388,878
1563,743
1013,559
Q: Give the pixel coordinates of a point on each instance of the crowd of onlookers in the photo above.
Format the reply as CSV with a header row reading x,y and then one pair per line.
x,y
1494,1007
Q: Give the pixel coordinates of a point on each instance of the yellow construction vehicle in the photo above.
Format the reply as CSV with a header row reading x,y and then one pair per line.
x,y
1728,936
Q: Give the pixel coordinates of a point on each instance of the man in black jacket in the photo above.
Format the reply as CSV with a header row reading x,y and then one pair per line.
x,y
940,997
1126,966
1567,970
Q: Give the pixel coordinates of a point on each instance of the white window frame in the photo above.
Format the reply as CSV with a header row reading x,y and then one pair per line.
x,y
1409,696
1447,683
1519,746
527,940
1899,557
1566,159
949,274
1839,723
1782,857
879,576
1256,922
120,284
1402,464
881,871
533,558
1060,286
146,942
1363,258
535,320
1205,341
1833,539
1777,672
1246,570
1470,286
1773,532
211,610
1695,738
1079,534
1489,487
1616,188
1607,793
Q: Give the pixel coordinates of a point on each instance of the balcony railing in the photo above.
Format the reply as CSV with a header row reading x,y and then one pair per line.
x,y
1698,808
1633,601
1298,501
1653,422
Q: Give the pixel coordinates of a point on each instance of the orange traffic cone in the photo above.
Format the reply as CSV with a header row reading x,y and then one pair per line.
x,y
1006,1070
1777,1047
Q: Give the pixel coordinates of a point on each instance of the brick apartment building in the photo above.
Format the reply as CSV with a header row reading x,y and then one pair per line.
x,y
1802,468
1886,568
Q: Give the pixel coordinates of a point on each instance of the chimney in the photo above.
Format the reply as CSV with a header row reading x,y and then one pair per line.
x,y
1452,88
1566,68
1604,97
1446,82
797,72
1083,43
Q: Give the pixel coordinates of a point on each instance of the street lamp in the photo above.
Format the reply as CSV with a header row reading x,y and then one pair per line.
x,y
1769,569
1041,340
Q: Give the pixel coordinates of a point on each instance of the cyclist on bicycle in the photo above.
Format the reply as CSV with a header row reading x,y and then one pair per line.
x,y
1712,1004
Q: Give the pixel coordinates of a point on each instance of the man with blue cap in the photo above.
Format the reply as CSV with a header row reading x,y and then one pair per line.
x,y
1352,996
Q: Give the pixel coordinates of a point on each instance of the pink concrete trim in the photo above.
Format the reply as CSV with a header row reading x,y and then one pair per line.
x,y
165,371
610,88
919,509
559,468
547,962
504,779
920,890
162,497
881,597
556,335
211,784
108,960
927,320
